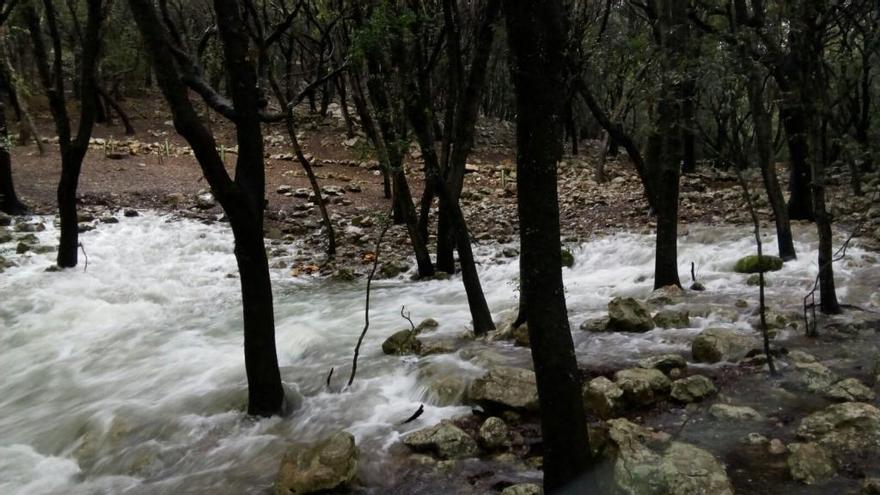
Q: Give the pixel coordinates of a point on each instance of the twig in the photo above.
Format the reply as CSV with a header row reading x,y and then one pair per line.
x,y
406,317
415,415
810,308
357,348
693,273
83,249
762,306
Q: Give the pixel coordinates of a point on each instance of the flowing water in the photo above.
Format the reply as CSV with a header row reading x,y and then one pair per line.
x,y
129,376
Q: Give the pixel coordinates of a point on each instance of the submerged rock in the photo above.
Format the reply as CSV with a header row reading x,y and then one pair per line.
x,y
671,318
447,390
810,463
506,387
326,465
648,463
734,413
445,440
595,325
402,343
664,362
603,398
720,344
753,264
642,387
692,389
629,315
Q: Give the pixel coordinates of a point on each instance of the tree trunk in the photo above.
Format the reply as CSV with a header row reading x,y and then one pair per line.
x,y
800,204
68,246
536,37
764,146
10,203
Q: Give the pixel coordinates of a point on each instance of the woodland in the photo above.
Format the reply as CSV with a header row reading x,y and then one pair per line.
x,y
440,246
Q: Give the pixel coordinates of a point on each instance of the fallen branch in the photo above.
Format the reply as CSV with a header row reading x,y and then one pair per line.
x,y
357,348
83,249
329,376
406,317
415,415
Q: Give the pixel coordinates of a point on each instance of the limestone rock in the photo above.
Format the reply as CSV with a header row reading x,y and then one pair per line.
x,y
595,325
692,389
629,315
603,397
719,344
670,294
849,390
445,440
493,434
671,318
844,429
815,376
506,387
402,343
523,489
727,412
810,463
664,362
642,387
326,465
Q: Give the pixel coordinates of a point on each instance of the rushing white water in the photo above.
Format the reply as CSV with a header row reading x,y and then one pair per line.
x,y
129,376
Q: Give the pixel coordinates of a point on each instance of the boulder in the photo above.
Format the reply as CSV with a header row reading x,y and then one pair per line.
x,y
426,325
648,463
402,343
521,336
844,429
523,489
753,264
815,376
326,465
436,346
664,362
629,315
447,390
603,398
506,387
595,325
692,389
671,318
720,344
642,387
810,463
493,434
849,390
205,201
445,440
727,412
664,296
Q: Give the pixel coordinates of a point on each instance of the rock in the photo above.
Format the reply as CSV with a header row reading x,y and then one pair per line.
x,y
698,287
871,486
815,376
205,201
108,219
5,220
648,463
567,258
719,344
692,389
629,315
776,447
402,343
801,357
445,440
671,318
670,294
506,387
436,346
22,248
510,252
326,465
752,264
603,398
595,325
664,362
845,429
284,189
426,324
493,434
849,390
642,387
756,439
521,336
5,236
523,489
727,412
392,269
447,390
754,280
810,463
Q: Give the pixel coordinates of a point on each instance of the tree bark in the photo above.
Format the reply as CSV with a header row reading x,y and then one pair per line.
x,y
10,203
536,37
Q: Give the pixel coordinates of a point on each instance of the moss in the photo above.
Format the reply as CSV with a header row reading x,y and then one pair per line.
x,y
752,264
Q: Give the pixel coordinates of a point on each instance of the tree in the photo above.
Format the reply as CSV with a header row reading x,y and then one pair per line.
x,y
73,148
536,36
242,198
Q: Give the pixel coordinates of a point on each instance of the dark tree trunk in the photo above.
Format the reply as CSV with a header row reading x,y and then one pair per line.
x,y
800,203
536,36
764,145
242,198
10,203
126,121
689,159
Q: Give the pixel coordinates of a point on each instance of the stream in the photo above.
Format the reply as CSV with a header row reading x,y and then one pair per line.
x,y
129,376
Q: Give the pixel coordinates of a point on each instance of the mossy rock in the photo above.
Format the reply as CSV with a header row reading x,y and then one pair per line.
x,y
567,258
754,264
